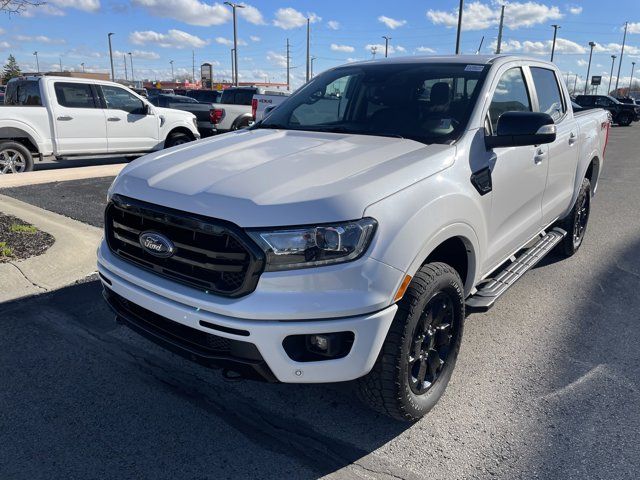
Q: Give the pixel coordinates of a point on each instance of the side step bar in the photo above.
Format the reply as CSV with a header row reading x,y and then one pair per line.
x,y
484,299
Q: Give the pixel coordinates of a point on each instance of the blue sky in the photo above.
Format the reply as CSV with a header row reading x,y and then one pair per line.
x,y
157,31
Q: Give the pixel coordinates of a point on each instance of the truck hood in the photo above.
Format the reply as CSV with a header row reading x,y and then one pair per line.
x,y
258,178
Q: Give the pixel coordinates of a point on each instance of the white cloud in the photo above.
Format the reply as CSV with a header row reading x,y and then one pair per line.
x,y
540,48
582,63
333,25
634,27
391,23
172,39
425,50
228,42
575,10
85,5
193,12
342,48
615,48
277,59
480,16
254,38
40,39
138,54
5,45
289,18
251,14
380,48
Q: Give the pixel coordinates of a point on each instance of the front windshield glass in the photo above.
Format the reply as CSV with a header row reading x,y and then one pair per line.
x,y
430,103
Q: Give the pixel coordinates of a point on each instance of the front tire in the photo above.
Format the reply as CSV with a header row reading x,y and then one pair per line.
x,y
15,158
177,139
420,351
575,224
624,120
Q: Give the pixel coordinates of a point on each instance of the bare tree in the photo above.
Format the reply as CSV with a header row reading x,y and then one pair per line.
x,y
18,6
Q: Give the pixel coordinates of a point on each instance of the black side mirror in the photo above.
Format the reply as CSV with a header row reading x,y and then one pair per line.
x,y
518,129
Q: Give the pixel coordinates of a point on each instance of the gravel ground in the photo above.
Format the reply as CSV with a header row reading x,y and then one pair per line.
x,y
19,240
546,385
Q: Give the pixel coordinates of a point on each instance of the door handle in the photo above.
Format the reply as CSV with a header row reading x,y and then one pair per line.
x,y
113,119
572,138
539,157
65,118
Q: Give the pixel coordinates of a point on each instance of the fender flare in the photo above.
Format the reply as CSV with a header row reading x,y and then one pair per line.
x,y
239,119
11,128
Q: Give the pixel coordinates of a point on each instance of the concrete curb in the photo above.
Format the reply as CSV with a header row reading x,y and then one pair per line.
x,y
71,258
61,175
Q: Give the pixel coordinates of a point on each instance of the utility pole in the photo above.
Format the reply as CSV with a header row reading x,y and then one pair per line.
x,y
308,49
61,64
386,45
131,61
374,49
553,45
173,77
575,84
113,75
586,82
288,63
499,44
37,62
82,65
233,68
613,61
234,6
193,67
459,27
633,66
624,39
124,57
312,59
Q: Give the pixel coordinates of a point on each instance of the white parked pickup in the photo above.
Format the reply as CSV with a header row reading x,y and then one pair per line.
x,y
64,117
346,234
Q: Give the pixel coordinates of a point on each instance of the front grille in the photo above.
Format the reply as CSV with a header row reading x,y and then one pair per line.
x,y
212,255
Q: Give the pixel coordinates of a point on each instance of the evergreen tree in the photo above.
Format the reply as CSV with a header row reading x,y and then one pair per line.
x,y
11,69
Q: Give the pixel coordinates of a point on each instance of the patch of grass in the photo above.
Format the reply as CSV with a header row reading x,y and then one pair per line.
x,y
4,250
17,228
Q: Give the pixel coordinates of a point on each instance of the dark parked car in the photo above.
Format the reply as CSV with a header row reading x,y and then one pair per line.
x,y
203,112
623,114
205,96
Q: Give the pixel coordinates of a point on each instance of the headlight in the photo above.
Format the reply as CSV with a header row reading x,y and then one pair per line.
x,y
313,246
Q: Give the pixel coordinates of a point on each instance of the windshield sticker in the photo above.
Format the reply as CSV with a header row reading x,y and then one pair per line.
x,y
474,68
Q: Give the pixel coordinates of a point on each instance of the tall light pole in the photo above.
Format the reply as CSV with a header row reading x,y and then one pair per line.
x,y
613,61
553,45
459,27
61,64
499,43
124,58
131,61
575,84
288,63
624,39
633,66
113,75
235,39
82,65
173,77
233,68
312,59
586,82
37,62
308,49
386,45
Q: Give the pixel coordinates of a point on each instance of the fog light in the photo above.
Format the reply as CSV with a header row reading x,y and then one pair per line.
x,y
321,342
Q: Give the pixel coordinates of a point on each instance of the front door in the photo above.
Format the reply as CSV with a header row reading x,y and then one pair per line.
x,y
518,175
130,126
80,124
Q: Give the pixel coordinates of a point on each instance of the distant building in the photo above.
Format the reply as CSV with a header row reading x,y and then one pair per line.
x,y
91,75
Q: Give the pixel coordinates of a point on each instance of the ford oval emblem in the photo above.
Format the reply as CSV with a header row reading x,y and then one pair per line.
x,y
157,244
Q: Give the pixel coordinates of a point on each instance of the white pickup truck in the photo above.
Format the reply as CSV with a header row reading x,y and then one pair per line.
x,y
236,108
347,234
45,116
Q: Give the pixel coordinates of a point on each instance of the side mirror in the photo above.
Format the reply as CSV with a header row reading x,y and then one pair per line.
x,y
518,129
148,109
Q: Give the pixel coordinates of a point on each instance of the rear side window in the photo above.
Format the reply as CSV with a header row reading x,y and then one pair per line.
x,y
244,97
584,101
549,97
75,95
511,95
23,93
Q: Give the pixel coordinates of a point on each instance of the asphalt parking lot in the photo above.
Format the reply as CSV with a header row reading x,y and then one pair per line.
x,y
547,384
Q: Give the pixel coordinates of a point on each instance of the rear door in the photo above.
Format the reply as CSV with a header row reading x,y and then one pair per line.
x,y
131,127
563,153
80,124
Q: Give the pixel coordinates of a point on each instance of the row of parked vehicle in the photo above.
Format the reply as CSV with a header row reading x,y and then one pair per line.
x,y
624,110
61,117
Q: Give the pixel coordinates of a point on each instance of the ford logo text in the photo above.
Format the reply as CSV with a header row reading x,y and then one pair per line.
x,y
157,244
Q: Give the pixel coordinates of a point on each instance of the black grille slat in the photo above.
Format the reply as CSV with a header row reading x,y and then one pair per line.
x,y
211,255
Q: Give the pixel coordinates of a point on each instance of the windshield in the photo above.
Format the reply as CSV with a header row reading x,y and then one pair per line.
x,y
430,103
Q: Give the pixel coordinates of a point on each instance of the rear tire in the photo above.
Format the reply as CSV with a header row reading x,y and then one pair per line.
x,y
15,158
624,120
177,139
575,224
242,123
419,354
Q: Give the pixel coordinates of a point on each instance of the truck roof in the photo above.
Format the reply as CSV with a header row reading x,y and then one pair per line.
x,y
459,59
70,79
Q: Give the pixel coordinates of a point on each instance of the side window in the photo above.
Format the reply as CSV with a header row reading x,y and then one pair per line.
x,y
244,97
549,96
603,102
75,95
23,93
120,99
511,95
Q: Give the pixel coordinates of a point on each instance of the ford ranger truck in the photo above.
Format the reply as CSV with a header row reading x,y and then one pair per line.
x,y
62,117
347,235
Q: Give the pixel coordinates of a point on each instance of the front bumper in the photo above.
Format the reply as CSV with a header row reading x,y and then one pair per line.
x,y
266,336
